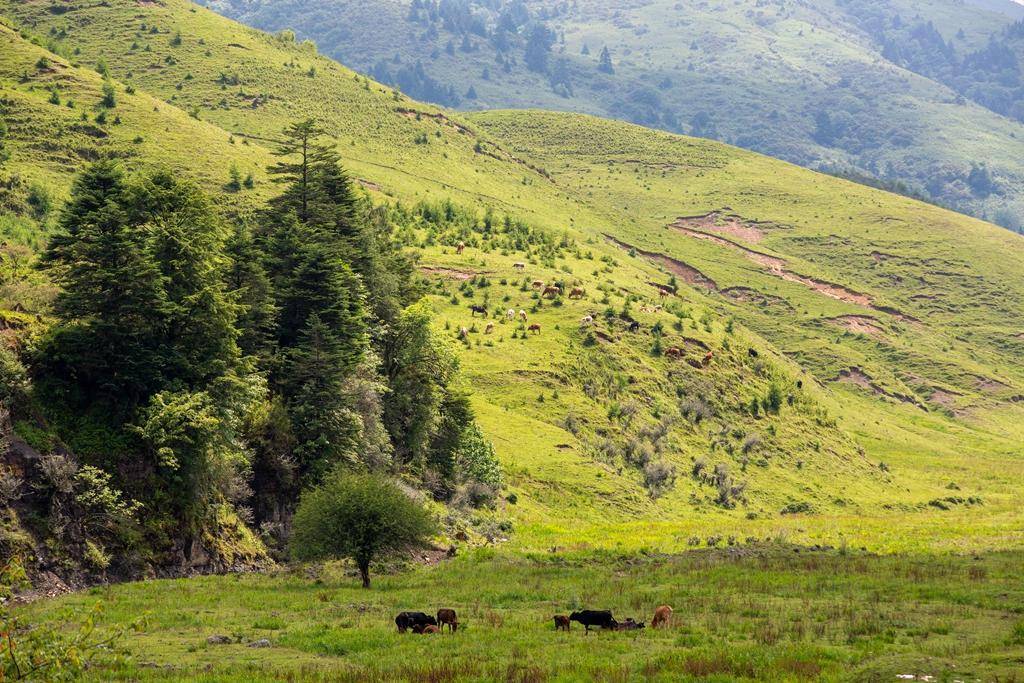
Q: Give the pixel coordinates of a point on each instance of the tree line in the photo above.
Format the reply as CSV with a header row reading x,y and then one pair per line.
x,y
204,362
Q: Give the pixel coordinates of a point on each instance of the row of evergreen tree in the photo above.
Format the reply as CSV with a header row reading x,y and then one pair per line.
x,y
205,360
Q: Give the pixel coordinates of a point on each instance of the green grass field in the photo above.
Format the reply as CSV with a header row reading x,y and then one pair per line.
x,y
890,330
764,612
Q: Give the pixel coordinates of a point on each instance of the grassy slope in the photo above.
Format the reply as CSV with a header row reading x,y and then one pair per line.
x,y
780,62
826,229
751,612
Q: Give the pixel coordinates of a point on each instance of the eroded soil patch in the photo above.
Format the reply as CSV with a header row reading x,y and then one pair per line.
x,y
450,273
716,221
752,296
777,266
678,268
861,379
858,324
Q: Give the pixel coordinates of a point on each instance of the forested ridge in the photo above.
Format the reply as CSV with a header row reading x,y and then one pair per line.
x,y
203,368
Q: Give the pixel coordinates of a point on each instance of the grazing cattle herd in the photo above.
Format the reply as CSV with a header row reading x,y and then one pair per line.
x,y
421,622
577,291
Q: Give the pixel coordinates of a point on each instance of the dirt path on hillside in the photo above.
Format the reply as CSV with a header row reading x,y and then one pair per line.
x,y
859,378
858,324
450,273
778,267
683,270
748,231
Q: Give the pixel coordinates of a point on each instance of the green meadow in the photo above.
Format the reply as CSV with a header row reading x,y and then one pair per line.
x,y
771,612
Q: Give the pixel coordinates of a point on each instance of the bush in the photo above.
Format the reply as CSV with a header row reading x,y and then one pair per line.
x,y
476,459
659,477
359,517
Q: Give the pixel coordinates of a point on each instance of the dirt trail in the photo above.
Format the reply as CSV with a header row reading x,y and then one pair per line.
x,y
748,295
683,270
777,266
858,377
859,324
450,273
725,223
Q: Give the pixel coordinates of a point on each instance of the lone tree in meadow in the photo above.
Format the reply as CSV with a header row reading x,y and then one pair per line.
x,y
358,517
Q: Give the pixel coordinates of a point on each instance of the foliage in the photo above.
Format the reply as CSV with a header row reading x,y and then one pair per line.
x,y
358,516
48,651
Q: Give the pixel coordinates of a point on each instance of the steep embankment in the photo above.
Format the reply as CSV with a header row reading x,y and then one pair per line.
x,y
798,387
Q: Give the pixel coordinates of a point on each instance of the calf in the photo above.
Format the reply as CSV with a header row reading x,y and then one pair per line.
x,y
673,352
662,617
707,357
447,616
414,621
537,284
596,618
561,622
630,625
522,315
535,328
577,293
430,629
460,247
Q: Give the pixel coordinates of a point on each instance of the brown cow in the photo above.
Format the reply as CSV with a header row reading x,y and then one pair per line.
x,y
562,622
673,352
460,247
577,293
447,616
662,617
537,284
553,290
522,315
489,329
707,357
535,328
664,293
519,266
430,629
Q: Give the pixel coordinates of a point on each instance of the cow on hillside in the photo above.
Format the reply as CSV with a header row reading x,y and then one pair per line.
x,y
594,618
414,621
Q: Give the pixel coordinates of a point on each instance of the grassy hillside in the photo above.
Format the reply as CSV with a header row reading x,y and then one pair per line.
x,y
898,104
886,327
829,366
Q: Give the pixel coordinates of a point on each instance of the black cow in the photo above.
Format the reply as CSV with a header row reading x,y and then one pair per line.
x,y
414,621
474,309
594,617
634,326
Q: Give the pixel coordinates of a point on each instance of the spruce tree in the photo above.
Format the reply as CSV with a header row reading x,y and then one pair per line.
x,y
604,63
111,306
248,283
325,430
301,154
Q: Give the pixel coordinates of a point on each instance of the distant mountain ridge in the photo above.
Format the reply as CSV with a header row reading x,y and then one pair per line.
x,y
928,99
